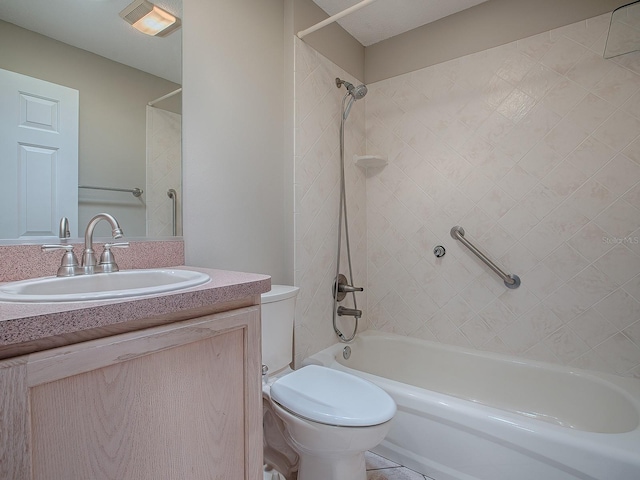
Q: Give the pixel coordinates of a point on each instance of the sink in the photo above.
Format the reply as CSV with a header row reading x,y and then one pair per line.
x,y
100,286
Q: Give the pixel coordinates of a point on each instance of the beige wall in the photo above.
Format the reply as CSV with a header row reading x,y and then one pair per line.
x,y
331,41
113,100
234,154
487,25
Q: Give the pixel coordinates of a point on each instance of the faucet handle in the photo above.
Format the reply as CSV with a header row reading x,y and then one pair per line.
x,y
64,231
69,264
107,261
348,288
341,287
107,246
46,248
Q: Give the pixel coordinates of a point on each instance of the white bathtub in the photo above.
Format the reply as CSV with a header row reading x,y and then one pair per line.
x,y
469,415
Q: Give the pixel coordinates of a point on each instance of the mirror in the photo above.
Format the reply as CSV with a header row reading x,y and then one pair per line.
x,y
123,143
624,31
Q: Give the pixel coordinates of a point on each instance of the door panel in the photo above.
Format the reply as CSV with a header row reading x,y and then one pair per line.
x,y
38,156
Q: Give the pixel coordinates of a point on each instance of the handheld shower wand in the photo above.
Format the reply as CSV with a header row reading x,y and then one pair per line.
x,y
356,94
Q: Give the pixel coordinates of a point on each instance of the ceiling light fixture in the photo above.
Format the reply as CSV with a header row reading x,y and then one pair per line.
x,y
150,19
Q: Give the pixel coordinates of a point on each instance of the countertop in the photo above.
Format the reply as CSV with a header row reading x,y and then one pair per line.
x,y
29,327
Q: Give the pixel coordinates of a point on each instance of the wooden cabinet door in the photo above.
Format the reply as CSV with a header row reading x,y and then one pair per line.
x,y
180,401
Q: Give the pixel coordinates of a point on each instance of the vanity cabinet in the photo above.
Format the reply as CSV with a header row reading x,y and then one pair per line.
x,y
178,401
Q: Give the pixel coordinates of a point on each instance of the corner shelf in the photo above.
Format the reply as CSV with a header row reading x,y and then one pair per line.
x,y
370,161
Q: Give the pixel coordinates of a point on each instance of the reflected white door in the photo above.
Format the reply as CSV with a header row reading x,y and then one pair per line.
x,y
38,156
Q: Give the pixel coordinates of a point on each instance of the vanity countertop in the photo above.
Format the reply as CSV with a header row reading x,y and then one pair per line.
x,y
29,327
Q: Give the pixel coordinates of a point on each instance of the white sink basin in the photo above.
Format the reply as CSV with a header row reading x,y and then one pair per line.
x,y
100,286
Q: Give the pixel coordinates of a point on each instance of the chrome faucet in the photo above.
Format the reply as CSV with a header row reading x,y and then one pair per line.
x,y
349,312
63,230
341,287
69,265
89,260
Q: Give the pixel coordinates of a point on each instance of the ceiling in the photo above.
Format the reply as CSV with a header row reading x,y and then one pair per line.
x,y
95,25
384,19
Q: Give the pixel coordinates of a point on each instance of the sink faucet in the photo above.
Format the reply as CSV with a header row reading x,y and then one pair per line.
x,y
89,260
69,265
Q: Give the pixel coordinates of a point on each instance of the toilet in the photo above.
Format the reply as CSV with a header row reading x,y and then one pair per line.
x,y
316,420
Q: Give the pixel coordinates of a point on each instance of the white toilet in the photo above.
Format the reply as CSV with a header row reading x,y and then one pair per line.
x,y
316,420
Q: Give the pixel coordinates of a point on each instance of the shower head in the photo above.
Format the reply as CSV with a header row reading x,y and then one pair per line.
x,y
356,93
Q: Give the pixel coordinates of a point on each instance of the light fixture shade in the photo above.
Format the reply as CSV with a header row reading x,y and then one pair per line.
x,y
150,19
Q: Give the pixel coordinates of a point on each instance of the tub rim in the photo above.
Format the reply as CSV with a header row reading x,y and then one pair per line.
x,y
622,446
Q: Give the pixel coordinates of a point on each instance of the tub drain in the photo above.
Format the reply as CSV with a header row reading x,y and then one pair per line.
x,y
346,353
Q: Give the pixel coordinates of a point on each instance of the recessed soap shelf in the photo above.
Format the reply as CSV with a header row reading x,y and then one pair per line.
x,y
370,161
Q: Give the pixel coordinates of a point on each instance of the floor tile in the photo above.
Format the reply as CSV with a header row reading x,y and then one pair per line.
x,y
376,462
397,473
380,468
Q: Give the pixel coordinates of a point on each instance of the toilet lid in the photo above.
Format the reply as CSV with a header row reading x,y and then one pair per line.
x,y
332,397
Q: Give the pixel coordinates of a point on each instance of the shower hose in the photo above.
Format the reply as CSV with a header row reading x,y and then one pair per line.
x,y
341,215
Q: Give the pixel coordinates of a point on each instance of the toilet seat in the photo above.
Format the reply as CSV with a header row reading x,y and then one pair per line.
x,y
332,397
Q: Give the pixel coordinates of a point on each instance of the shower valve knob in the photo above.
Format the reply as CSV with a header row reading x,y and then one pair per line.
x,y
349,288
439,251
341,287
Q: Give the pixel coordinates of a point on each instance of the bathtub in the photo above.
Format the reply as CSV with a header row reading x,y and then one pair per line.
x,y
470,415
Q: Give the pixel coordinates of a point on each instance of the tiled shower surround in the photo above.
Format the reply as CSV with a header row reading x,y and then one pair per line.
x,y
317,190
534,148
164,171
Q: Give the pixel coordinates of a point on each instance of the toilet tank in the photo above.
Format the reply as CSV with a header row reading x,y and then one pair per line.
x,y
277,312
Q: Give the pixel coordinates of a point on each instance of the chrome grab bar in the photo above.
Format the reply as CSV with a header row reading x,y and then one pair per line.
x,y
510,280
173,195
136,192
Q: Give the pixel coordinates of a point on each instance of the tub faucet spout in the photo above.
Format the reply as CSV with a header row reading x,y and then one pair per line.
x,y
350,312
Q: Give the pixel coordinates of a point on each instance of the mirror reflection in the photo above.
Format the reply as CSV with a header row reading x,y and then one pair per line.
x,y
624,31
123,134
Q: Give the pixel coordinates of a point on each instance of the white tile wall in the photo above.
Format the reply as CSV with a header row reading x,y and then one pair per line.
x,y
164,171
534,148
316,176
